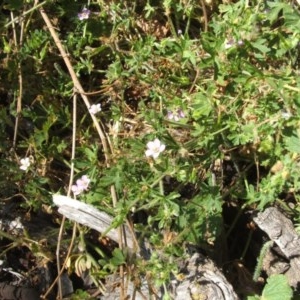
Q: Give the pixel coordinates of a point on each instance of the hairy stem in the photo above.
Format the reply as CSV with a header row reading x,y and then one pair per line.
x,y
260,259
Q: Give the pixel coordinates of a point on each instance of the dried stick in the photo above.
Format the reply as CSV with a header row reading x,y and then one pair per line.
x,y
64,264
20,78
20,75
61,269
17,19
77,85
79,89
204,15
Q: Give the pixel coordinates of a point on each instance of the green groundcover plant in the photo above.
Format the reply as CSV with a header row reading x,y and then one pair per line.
x,y
189,107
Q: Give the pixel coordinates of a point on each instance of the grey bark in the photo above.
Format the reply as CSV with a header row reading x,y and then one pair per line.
x,y
203,281
11,292
281,231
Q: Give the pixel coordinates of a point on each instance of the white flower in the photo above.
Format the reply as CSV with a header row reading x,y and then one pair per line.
x,y
25,163
154,148
95,108
16,224
285,114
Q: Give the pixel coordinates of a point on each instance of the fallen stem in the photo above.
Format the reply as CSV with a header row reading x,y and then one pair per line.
x,y
16,19
77,85
98,125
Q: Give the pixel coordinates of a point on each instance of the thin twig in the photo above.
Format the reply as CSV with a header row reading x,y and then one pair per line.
x,y
98,125
204,15
93,93
14,29
20,92
59,238
15,20
194,81
64,264
79,89
69,192
77,85
14,196
73,142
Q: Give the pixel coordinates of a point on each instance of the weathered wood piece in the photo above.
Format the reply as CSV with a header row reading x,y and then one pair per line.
x,y
91,217
11,292
203,280
281,230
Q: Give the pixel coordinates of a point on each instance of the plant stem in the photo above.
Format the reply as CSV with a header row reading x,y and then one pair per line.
x,y
14,20
260,259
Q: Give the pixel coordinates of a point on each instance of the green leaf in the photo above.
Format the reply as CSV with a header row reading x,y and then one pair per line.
x,y
13,4
91,154
293,144
202,106
276,8
189,55
118,257
259,45
277,288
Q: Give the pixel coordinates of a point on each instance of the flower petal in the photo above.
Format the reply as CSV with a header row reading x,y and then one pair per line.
x,y
84,14
154,148
148,152
95,108
156,143
86,179
155,154
25,163
162,148
76,190
150,145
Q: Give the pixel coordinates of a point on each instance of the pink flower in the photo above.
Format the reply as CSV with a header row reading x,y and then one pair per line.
x,y
84,14
172,116
82,184
175,115
180,113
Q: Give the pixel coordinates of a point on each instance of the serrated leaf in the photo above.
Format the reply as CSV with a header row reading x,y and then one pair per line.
x,y
277,288
276,8
118,257
261,47
293,144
